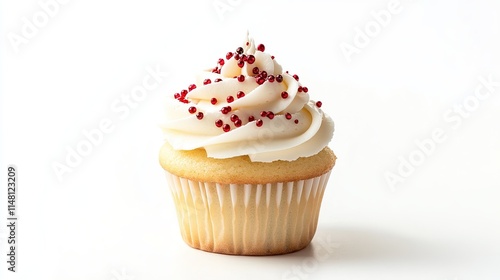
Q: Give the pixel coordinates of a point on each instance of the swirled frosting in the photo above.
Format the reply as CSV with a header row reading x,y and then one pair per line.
x,y
247,105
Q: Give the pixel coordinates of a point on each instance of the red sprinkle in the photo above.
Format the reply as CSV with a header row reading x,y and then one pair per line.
x,y
184,93
296,121
261,47
260,80
295,77
272,56
288,116
241,78
251,59
259,123
237,123
300,89
226,127
217,80
270,78
192,110
284,95
226,109
255,70
234,117
263,114
240,94
305,89
279,78
177,95
229,55
319,104
251,119
239,50
270,115
230,99
199,115
207,81
241,63
213,100
221,61
218,123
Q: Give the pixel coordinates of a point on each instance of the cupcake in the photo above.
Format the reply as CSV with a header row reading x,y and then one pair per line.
x,y
246,156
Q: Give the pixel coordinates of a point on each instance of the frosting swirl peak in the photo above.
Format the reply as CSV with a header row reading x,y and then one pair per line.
x,y
247,105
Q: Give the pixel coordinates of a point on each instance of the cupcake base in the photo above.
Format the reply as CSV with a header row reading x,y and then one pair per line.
x,y
248,219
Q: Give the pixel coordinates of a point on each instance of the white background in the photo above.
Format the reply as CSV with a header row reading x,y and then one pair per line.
x,y
111,216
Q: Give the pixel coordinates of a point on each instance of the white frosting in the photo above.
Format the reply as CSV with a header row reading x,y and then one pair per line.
x,y
306,133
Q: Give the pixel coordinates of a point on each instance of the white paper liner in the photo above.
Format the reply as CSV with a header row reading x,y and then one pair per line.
x,y
248,219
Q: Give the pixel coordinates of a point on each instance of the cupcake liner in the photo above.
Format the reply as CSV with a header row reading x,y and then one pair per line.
x,y
248,219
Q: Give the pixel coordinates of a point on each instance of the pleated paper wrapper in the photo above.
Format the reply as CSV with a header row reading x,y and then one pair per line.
x,y
248,219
